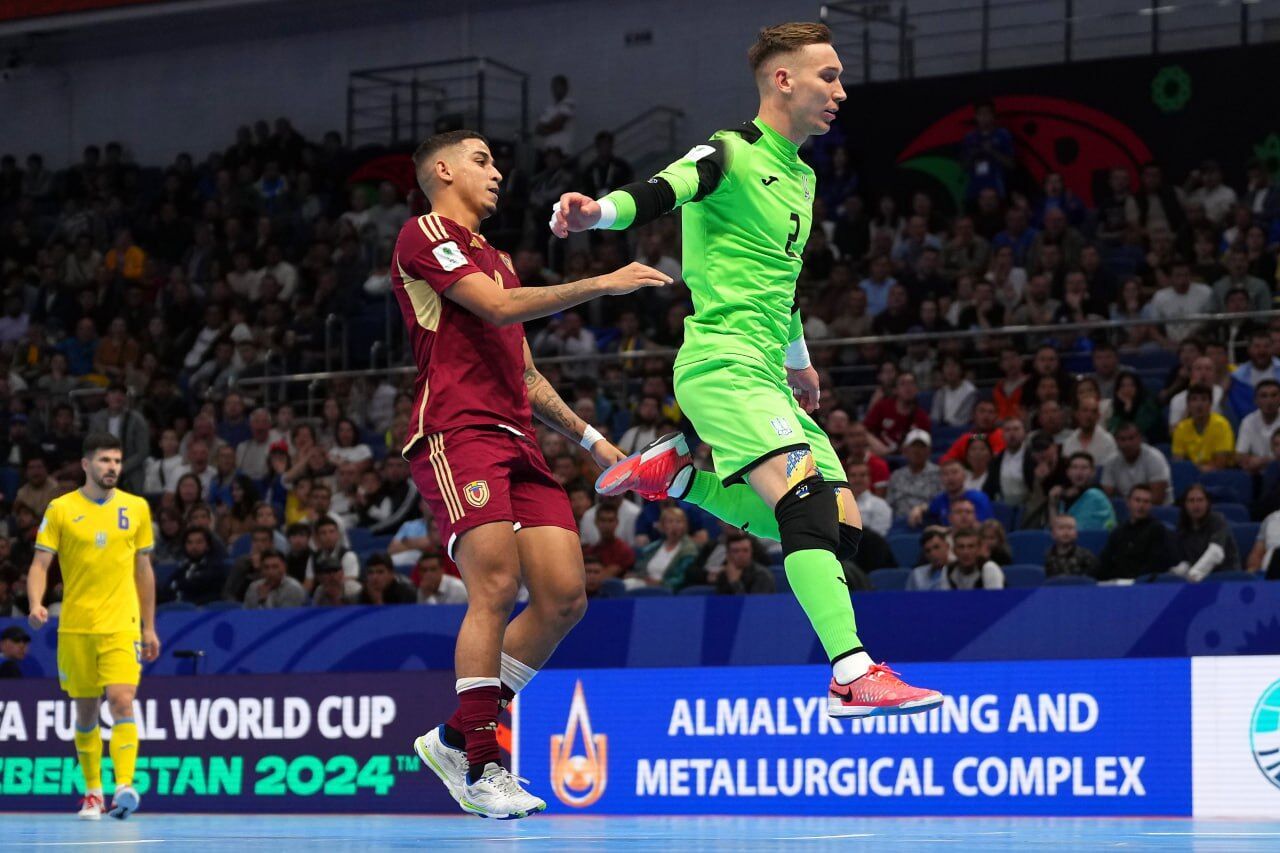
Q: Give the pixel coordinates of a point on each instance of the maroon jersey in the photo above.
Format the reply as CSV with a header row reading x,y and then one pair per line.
x,y
469,372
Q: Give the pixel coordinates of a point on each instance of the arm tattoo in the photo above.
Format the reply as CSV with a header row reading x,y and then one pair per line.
x,y
548,406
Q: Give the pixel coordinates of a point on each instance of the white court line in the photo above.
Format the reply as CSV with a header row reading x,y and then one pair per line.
x,y
86,843
1217,834
824,837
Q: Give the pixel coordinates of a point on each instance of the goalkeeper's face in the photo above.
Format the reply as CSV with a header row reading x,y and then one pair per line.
x,y
815,91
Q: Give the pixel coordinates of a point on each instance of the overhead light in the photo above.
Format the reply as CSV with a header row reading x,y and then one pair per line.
x,y
1158,10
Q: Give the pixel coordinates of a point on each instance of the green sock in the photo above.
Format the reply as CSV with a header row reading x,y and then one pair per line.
x,y
818,583
739,505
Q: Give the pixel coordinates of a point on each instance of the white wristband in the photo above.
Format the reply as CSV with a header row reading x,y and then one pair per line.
x,y
608,215
797,355
590,436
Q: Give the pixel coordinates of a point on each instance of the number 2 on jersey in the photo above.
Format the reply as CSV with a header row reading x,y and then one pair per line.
x,y
794,235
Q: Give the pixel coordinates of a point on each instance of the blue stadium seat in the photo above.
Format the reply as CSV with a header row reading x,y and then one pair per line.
x,y
360,539
1030,546
1248,577
1150,360
175,607
649,592
944,436
924,399
1021,575
163,571
1229,484
223,605
894,461
1246,534
9,479
613,588
1121,508
1070,580
698,589
1184,474
888,580
780,581
906,549
1166,514
240,546
1005,514
1236,513
1094,540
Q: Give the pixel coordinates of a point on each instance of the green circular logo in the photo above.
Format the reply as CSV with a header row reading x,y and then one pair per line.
x,y
1171,88
1264,733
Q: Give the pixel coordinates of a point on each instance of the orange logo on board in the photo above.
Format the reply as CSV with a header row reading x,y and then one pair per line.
x,y
578,778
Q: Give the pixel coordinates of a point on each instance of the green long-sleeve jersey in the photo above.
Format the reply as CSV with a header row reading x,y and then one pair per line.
x,y
748,207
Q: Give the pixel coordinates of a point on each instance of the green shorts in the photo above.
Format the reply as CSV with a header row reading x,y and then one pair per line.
x,y
745,410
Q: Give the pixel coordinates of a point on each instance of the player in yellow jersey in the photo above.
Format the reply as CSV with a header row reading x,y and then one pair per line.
x,y
103,540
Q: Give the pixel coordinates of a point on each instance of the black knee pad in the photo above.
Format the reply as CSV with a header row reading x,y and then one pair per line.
x,y
808,518
850,539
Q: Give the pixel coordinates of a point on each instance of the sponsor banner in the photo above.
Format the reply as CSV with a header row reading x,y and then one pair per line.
x,y
1235,726
293,743
1033,738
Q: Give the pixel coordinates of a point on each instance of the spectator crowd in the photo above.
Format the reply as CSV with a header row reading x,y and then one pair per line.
x,y
158,304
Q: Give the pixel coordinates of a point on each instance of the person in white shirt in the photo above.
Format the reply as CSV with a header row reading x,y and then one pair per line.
x,y
1182,298
644,426
1089,437
1203,372
555,124
1253,442
435,587
389,213
1137,463
1009,464
628,514
163,471
568,337
953,403
1216,197
875,510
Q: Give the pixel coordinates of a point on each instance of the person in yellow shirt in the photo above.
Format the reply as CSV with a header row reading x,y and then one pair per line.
x,y
103,539
1204,437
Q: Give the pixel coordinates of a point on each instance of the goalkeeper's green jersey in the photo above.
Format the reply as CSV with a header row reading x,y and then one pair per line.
x,y
748,207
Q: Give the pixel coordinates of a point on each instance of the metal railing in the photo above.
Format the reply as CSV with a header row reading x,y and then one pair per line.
x,y
653,135
401,104
881,41
316,381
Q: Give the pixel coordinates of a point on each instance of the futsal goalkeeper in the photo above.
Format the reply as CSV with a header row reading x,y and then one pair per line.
x,y
743,375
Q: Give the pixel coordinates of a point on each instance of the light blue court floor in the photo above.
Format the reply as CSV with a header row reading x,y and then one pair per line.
x,y
244,833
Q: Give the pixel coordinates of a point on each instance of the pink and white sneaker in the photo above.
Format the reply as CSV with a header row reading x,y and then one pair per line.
x,y
878,693
657,471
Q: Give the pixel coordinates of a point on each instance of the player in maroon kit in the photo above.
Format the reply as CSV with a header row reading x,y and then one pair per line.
x,y
473,455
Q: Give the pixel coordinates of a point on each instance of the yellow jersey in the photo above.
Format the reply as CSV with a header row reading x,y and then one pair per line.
x,y
96,544
1202,447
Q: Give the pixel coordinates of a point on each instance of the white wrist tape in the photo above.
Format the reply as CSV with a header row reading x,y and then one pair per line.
x,y
590,436
797,354
608,214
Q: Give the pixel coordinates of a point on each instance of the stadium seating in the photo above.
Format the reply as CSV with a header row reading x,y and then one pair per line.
x,y
1236,513
1248,577
1230,484
649,592
698,589
1019,575
1184,474
1246,534
1029,546
1094,540
888,580
906,549
1005,514
1166,514
1070,580
613,588
780,581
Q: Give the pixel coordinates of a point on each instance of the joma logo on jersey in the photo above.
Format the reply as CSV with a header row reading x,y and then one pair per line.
x,y
781,427
477,492
578,778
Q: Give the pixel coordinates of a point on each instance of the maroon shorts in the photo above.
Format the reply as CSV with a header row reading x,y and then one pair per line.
x,y
476,475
